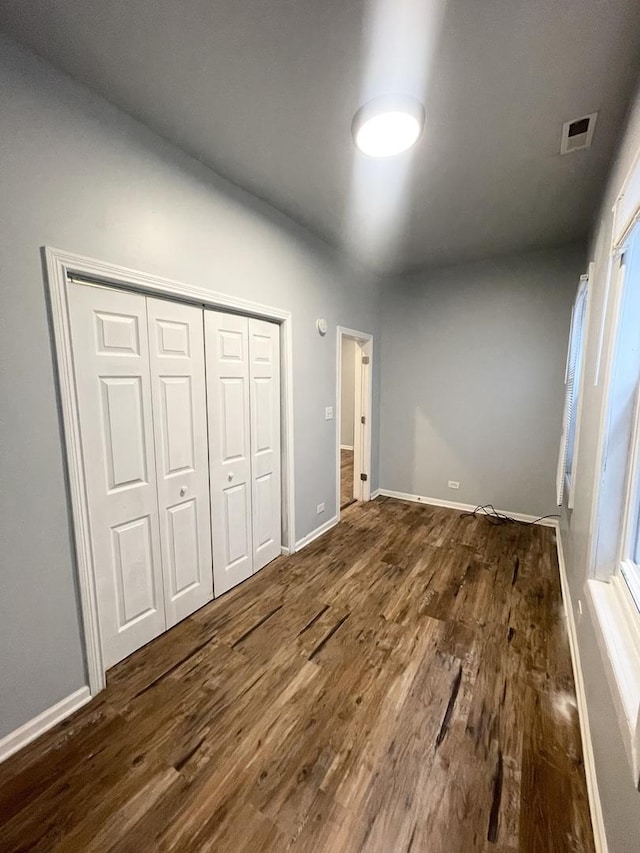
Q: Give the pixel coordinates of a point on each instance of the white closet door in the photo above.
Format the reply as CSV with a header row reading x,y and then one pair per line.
x,y
227,357
176,350
111,362
264,371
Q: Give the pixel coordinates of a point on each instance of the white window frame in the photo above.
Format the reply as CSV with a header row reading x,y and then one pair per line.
x,y
612,599
628,562
574,390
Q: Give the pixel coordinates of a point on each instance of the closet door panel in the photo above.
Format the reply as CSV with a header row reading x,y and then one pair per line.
x,y
236,509
123,431
264,359
176,345
111,363
227,355
133,569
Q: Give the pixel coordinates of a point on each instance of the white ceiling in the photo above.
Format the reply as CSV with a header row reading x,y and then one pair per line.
x,y
264,92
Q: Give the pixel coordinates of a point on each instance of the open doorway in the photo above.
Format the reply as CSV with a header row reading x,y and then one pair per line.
x,y
347,420
354,416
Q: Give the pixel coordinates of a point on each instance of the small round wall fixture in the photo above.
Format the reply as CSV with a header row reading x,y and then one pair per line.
x,y
321,326
388,125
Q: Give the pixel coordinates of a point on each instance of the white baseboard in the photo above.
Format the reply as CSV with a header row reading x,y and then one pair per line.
x,y
43,722
284,551
346,447
595,805
311,537
421,499
374,495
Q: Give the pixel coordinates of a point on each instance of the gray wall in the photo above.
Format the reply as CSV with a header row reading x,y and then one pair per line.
x,y
348,400
620,799
473,363
78,174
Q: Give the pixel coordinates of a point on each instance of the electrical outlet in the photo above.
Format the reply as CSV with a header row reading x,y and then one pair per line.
x,y
320,508
328,413
454,484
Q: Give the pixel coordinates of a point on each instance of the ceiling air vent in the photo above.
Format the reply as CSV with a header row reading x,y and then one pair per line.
x,y
578,133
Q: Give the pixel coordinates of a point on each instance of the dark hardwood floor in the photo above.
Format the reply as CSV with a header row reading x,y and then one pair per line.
x,y
346,478
401,685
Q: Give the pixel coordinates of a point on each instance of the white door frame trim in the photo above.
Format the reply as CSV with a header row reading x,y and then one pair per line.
x,y
60,266
366,339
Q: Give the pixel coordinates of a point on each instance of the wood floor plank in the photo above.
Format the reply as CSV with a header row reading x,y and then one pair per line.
x,y
402,684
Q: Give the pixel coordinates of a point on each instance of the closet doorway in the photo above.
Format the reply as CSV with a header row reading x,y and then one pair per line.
x,y
177,409
353,395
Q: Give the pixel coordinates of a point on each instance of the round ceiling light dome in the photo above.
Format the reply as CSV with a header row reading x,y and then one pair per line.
x,y
388,126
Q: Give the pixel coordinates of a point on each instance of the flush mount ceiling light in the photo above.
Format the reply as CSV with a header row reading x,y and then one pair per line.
x,y
388,126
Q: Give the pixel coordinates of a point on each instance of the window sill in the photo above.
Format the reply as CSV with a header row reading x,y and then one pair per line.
x,y
631,574
617,623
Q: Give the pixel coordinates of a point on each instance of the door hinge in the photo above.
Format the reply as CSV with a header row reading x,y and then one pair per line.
x,y
364,478
363,420
365,359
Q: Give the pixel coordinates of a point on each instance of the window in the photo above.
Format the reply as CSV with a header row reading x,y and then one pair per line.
x,y
573,375
618,544
613,590
616,539
630,540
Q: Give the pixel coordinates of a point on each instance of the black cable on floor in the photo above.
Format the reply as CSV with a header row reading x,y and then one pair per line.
x,y
492,515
